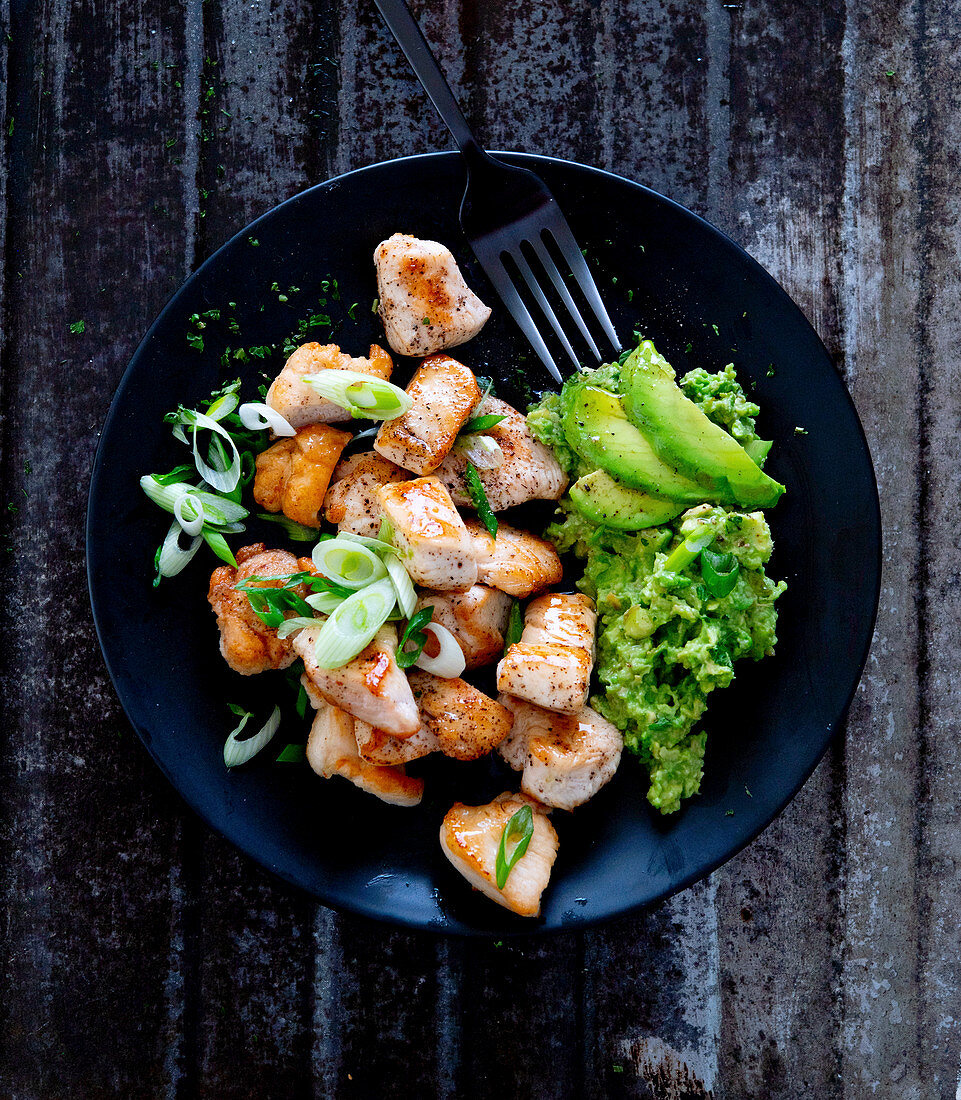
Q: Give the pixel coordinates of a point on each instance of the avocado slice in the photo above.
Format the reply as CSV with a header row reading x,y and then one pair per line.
x,y
609,503
683,436
597,427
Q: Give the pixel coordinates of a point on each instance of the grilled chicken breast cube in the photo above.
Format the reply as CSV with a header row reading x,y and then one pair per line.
x,y
516,561
332,750
477,618
565,758
370,687
351,500
424,302
561,618
557,677
466,722
299,403
377,747
470,837
292,476
429,534
248,645
444,393
529,470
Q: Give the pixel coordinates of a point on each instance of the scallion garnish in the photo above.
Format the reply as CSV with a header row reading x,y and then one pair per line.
x,y
296,531
271,602
171,558
483,451
516,836
515,625
481,423
719,571
348,563
450,660
475,487
216,541
403,586
414,632
239,752
256,416
360,394
353,624
688,549
292,754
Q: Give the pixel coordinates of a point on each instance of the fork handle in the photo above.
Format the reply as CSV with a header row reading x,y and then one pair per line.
x,y
411,40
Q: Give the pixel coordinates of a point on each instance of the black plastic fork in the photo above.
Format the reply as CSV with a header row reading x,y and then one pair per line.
x,y
508,214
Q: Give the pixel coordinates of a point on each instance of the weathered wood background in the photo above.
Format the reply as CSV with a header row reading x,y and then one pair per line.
x,y
142,957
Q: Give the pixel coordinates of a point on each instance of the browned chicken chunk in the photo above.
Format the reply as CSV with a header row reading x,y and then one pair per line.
x,y
248,645
444,393
299,403
378,747
332,750
516,561
351,500
466,723
470,837
477,618
292,476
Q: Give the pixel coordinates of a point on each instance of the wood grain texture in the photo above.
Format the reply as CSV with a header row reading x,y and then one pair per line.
x,y
144,957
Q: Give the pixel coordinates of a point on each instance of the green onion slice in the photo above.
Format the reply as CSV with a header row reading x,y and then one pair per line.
x,y
688,549
515,625
353,624
516,836
256,416
414,632
217,511
292,754
239,752
227,477
475,487
216,541
348,563
296,531
719,572
360,394
450,661
291,626
483,451
172,558
224,405
325,602
403,586
481,423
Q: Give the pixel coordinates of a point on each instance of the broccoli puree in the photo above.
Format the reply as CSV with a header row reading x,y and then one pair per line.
x,y
664,641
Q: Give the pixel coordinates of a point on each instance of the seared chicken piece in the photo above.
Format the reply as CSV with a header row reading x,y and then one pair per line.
x,y
292,476
477,618
551,664
377,747
466,723
471,836
351,500
246,642
301,404
429,534
370,687
565,758
516,562
444,393
424,302
332,750
529,470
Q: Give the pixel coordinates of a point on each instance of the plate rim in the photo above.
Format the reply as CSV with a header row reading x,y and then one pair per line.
x,y
529,160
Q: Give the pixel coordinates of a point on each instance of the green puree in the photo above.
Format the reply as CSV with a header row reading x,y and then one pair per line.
x,y
664,641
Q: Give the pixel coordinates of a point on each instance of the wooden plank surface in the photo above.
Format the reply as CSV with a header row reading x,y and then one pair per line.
x,y
142,956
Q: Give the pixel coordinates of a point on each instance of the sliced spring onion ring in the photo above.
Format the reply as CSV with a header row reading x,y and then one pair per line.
x,y
414,633
403,586
515,625
475,487
353,624
377,545
450,662
217,510
291,626
348,563
224,405
360,394
688,549
325,602
239,752
481,423
482,450
517,832
719,571
224,480
216,541
256,415
188,513
172,557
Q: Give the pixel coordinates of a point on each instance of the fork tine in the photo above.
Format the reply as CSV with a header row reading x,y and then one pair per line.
x,y
545,306
505,288
561,232
555,277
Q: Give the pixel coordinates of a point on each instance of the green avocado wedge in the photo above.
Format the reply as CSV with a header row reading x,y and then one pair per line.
x,y
608,503
681,435
597,427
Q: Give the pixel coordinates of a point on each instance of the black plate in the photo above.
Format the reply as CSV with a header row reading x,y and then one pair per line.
x,y
705,302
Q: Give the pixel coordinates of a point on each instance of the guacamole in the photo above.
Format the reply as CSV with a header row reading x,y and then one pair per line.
x,y
665,639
